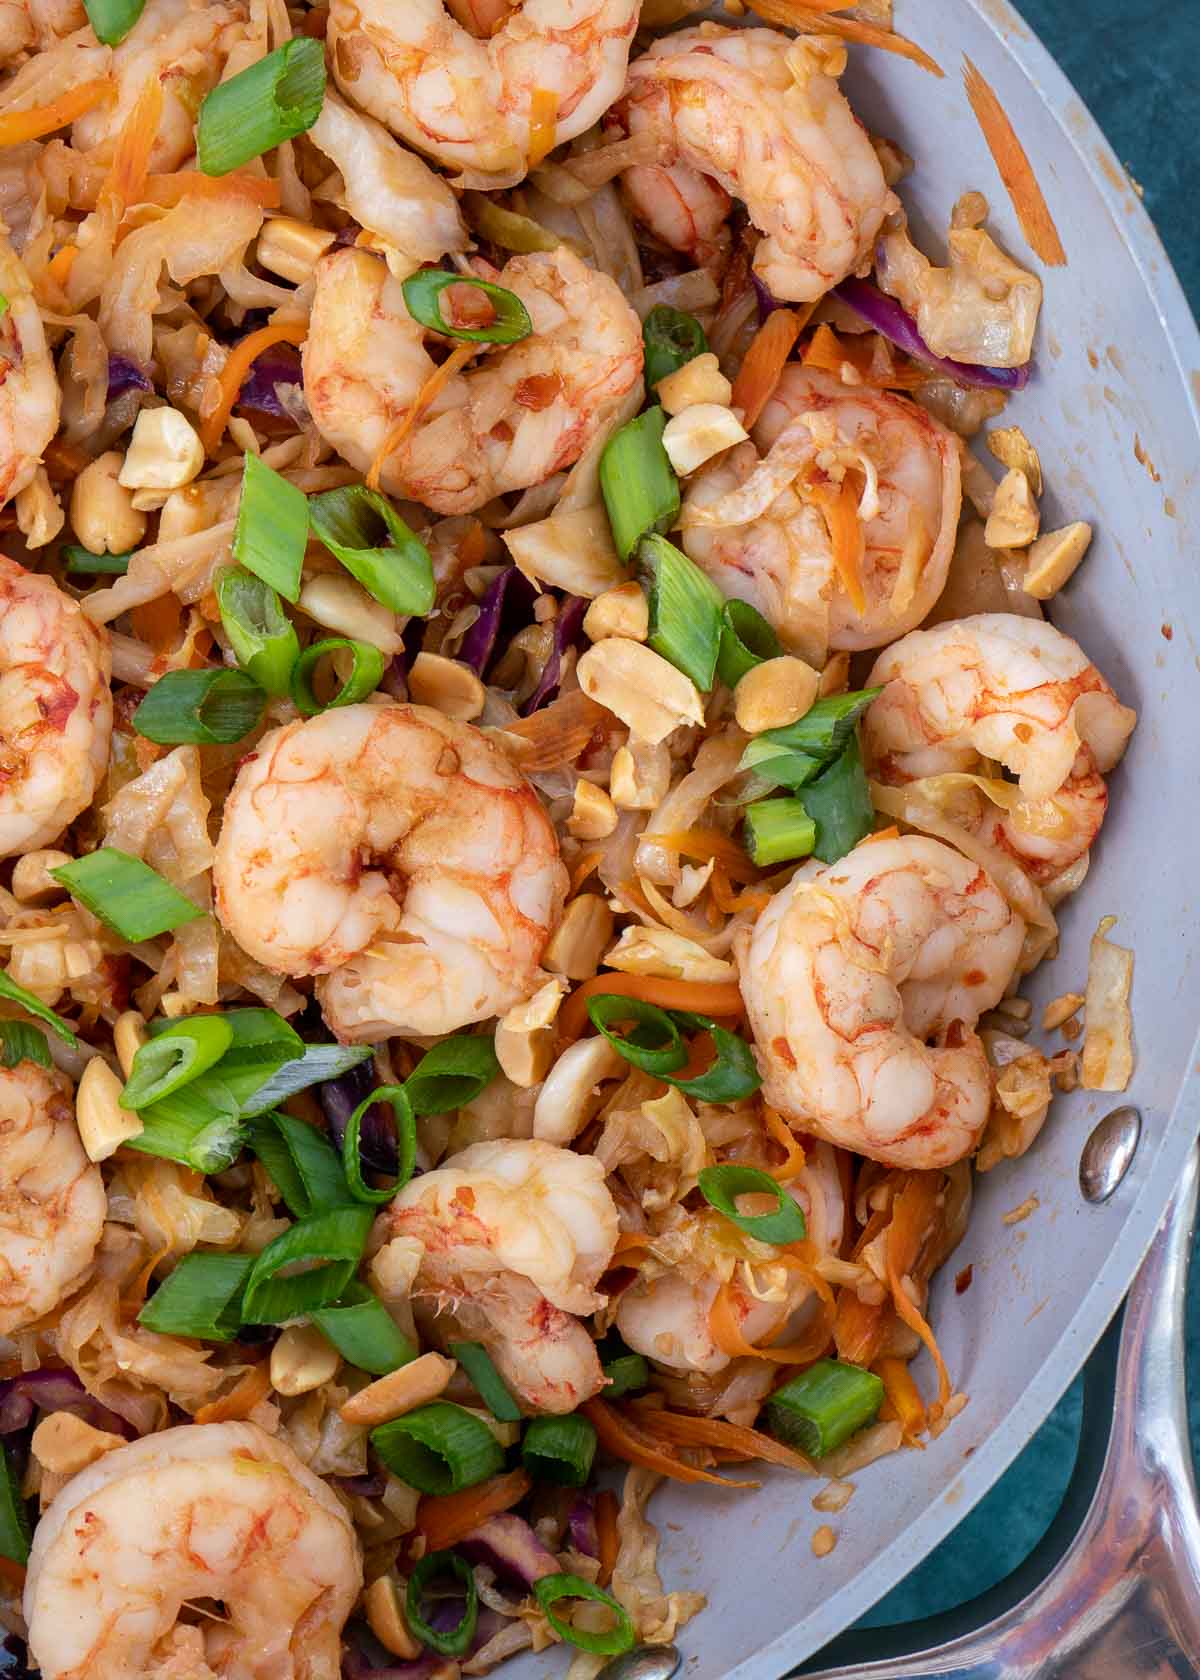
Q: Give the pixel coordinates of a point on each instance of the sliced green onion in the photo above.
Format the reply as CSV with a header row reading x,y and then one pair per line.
x,y
362,529
176,1055
198,1125
626,1374
439,1448
672,338
422,294
34,1006
452,1074
127,895
822,734
778,830
733,1074
366,668
551,1588
397,1099
318,1063
4,305
839,803
457,1642
657,1047
721,1187
559,1449
476,1361
20,1042
111,20
685,611
14,1519
819,1410
271,101
329,1245
83,560
262,1043
303,1164
208,708
271,533
261,634
200,1297
746,641
364,1332
641,492
778,766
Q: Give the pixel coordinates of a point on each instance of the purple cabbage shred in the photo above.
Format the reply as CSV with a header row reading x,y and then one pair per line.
x,y
568,627
893,321
277,366
54,1391
581,1525
124,375
503,610
509,1546
377,1137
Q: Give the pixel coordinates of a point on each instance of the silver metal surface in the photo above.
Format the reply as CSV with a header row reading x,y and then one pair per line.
x,y
644,1662
1108,1153
1125,1598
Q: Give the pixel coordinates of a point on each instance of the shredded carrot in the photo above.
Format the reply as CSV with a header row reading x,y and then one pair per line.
x,y
704,843
619,1434
794,1156
920,1326
725,899
815,19
472,549
125,183
763,363
839,506
701,997
870,357
169,190
399,430
232,376
158,623
903,1397
607,1538
1016,171
445,1519
12,1572
724,1324
685,1430
61,263
543,124
63,459
241,1400
39,120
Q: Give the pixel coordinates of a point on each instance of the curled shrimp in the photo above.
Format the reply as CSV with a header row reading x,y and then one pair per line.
x,y
397,855
524,413
29,394
752,526
214,1511
515,1235
474,104
763,115
55,709
849,974
1016,691
52,1201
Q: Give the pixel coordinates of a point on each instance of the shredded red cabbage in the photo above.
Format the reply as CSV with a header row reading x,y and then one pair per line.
x,y
377,1136
507,603
279,365
766,303
568,627
357,1665
893,321
124,375
581,1524
509,1546
54,1391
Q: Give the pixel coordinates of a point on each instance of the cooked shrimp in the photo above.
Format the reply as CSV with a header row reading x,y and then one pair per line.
x,y
214,1511
846,977
52,1202
396,854
29,393
1017,691
516,1234
771,546
522,414
470,103
764,115
36,25
55,709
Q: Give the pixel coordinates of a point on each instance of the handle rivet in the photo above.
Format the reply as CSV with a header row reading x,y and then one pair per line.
x,y
1108,1153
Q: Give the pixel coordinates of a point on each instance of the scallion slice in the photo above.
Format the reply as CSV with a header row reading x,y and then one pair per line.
x,y
111,20
180,1052
423,292
82,560
34,1006
303,1164
14,1519
362,529
457,1641
200,1297
559,1449
452,1074
208,708
733,1073
476,1361
779,766
721,1186
261,634
626,1373
366,668
364,1332
746,641
685,611
271,101
641,492
656,1047
262,1043
397,1099
127,895
839,803
318,1063
778,830
822,734
820,1409
672,338
197,1125
439,1448
329,1244
20,1042
271,533
619,1638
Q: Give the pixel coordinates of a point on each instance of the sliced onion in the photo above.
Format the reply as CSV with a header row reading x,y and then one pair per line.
x,y
894,322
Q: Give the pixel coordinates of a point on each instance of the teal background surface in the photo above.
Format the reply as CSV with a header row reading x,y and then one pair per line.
x,y
1135,64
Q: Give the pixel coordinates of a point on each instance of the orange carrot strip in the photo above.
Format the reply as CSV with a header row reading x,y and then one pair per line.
x,y
445,1519
701,997
169,190
839,506
763,363
683,1429
704,843
608,1541
816,20
726,1330
241,1400
920,1326
869,356
399,430
620,1435
238,364
904,1396
125,182
794,1156
1016,171
158,623
38,120
543,124
61,263
751,898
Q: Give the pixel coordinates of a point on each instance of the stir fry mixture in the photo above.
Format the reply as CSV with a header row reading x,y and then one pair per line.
x,y
532,769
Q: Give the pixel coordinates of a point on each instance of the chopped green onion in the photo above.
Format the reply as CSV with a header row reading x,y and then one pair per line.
x,y
14,1519
34,1006
20,1042
439,1448
457,1642
397,1099
819,1410
746,641
476,1361
620,1638
262,1043
83,560
816,739
452,1074
318,1063
271,101
721,1186
111,20
657,1047
200,1297
329,1245
627,1373
778,766
198,1125
839,803
733,1073
261,634
364,1332
209,708
778,830
271,533
362,529
641,492
422,294
672,338
685,611
127,895
303,1164
4,305
366,668
176,1055
559,1449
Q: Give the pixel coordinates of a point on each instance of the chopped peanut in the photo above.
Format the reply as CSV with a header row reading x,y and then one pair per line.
x,y
525,1036
64,1444
640,776
774,694
1053,559
581,938
413,1385
164,452
697,381
593,815
623,611
301,1360
1014,519
1060,1010
32,882
445,684
639,686
103,1124
698,433
383,1602
1012,448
